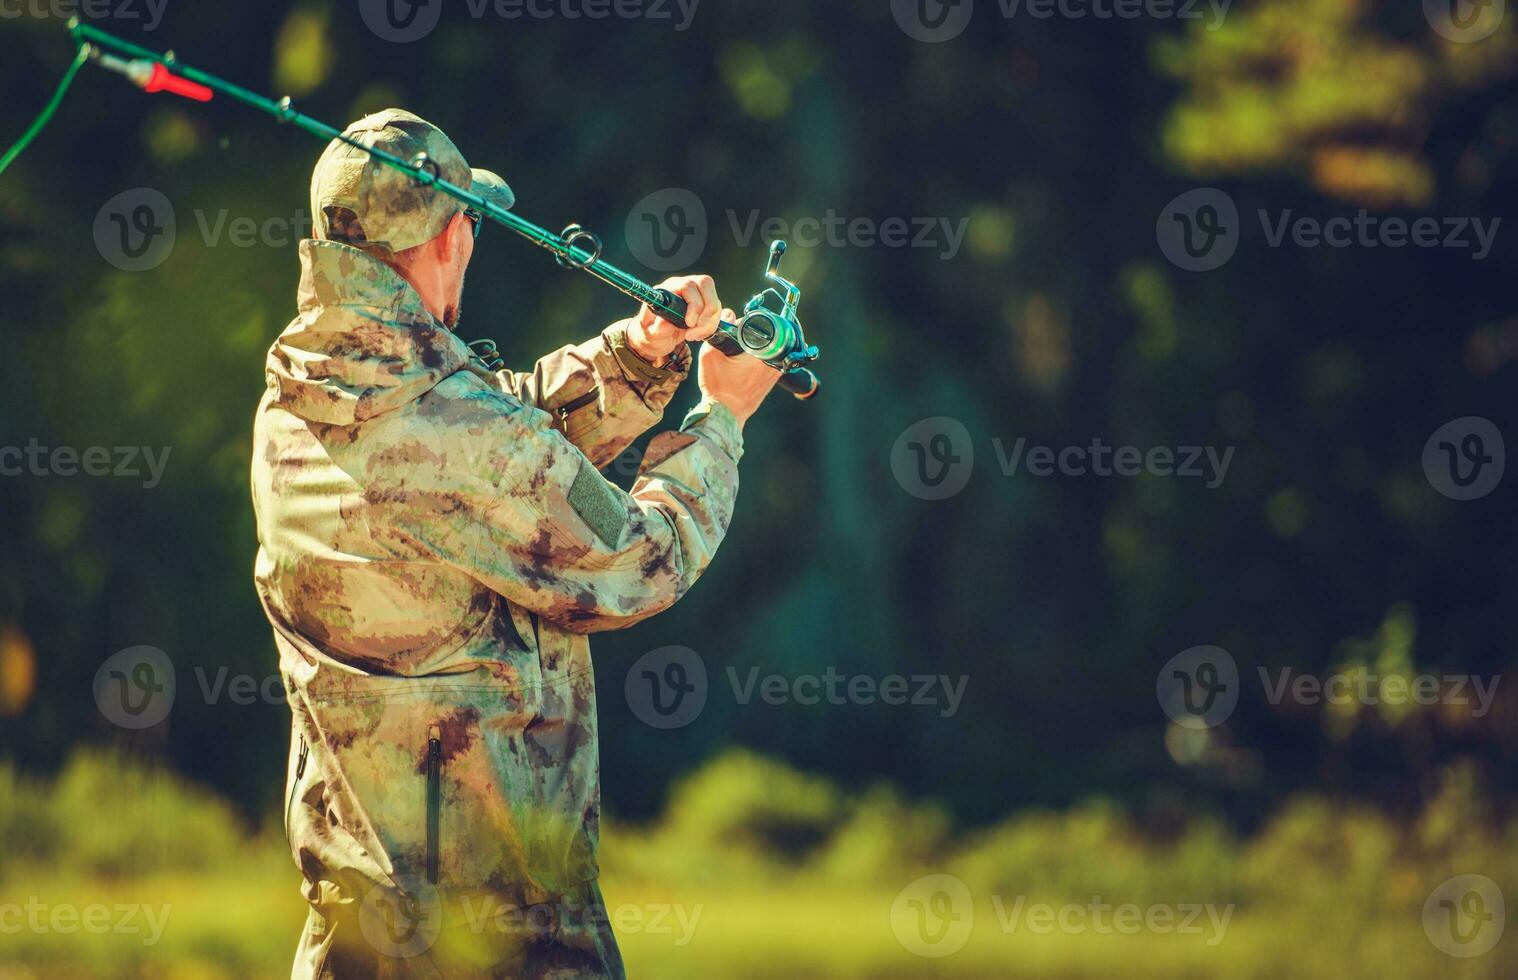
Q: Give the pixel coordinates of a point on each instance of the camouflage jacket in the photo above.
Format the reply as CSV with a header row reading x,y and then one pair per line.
x,y
435,542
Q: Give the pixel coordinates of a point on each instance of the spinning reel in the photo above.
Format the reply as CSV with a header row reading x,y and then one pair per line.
x,y
769,328
771,334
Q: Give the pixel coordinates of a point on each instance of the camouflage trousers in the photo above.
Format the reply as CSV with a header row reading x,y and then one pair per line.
x,y
468,937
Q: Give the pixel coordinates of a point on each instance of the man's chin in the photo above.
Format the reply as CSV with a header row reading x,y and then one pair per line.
x,y
453,311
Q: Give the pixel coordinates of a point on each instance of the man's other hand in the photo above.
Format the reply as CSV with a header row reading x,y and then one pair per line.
x,y
740,382
654,338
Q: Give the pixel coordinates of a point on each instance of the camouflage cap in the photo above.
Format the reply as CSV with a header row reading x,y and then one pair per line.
x,y
375,204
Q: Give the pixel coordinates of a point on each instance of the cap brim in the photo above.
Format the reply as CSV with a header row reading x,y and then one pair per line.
x,y
492,188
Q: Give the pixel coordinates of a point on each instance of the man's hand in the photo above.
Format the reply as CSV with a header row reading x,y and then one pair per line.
x,y
740,382
654,338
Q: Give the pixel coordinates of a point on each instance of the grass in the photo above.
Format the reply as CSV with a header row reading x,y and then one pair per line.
x,y
244,922
738,884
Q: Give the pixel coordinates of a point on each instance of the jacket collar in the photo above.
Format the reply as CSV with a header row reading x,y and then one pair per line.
x,y
363,342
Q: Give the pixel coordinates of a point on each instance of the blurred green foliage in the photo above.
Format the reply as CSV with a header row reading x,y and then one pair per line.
x,y
1341,92
1318,881
108,815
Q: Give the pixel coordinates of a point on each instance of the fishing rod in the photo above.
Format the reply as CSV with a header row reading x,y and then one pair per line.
x,y
769,328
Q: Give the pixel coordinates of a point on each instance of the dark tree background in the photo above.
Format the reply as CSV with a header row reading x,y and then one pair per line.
x,y
1059,320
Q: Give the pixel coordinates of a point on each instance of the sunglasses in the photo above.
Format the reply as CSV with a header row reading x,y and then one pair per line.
x,y
475,218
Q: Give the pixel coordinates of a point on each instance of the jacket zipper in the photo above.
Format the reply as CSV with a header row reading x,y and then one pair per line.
x,y
434,798
300,770
578,403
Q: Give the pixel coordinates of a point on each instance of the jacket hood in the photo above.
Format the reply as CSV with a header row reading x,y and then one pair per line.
x,y
362,343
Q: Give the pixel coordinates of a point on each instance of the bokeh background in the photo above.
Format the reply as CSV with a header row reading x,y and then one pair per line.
x,y
799,834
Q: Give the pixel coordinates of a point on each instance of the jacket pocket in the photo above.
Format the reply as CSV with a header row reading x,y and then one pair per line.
x,y
301,752
434,801
582,421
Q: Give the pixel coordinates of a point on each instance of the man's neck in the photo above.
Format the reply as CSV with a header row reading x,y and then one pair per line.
x,y
428,286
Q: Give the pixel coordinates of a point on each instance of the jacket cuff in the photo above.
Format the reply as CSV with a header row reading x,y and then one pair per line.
x,y
637,370
717,422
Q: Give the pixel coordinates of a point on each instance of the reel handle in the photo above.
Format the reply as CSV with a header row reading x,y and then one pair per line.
x,y
799,381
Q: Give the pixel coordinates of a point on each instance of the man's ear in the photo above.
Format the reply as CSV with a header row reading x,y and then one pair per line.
x,y
458,228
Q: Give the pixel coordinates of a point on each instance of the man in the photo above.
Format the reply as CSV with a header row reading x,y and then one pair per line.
x,y
436,541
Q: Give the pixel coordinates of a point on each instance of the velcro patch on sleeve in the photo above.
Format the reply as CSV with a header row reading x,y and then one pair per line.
x,y
599,504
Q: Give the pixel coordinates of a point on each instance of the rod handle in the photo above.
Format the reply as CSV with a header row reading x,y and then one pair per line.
x,y
801,382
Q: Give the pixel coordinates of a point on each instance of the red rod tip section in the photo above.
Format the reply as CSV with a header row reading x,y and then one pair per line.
x,y
163,80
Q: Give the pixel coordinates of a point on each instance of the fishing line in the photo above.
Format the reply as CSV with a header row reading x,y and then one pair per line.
x,y
769,328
